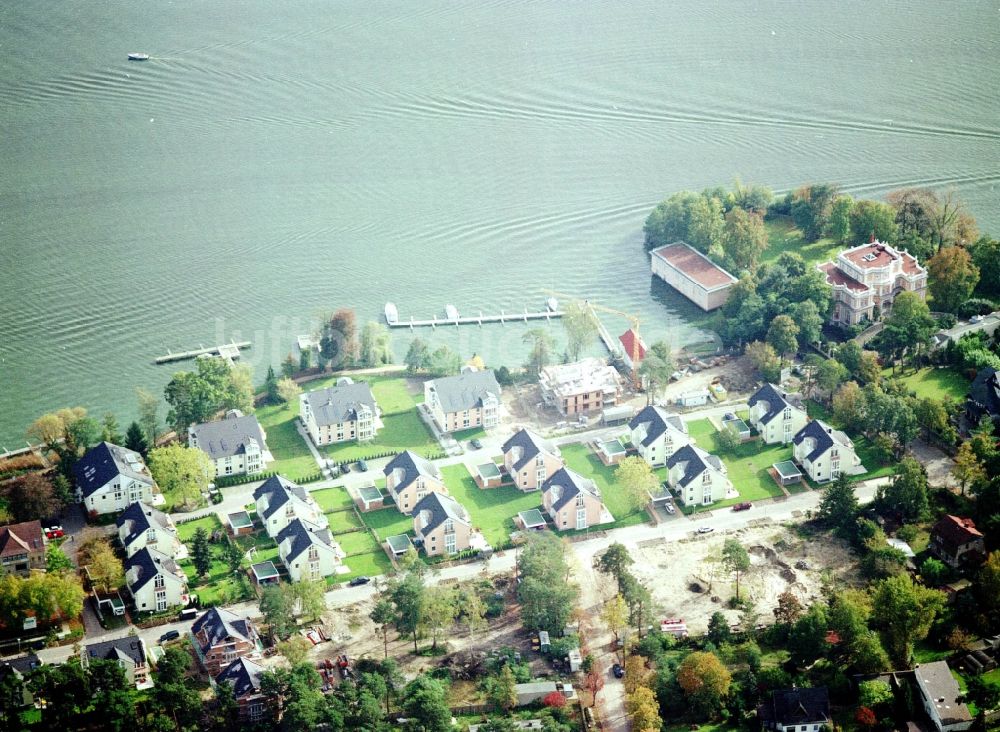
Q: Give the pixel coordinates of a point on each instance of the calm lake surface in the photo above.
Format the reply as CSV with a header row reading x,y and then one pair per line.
x,y
274,161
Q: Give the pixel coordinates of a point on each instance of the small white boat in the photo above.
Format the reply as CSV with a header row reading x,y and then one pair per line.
x,y
391,314
552,304
451,311
138,57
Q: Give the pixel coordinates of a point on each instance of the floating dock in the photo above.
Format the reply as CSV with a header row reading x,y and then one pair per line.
x,y
226,350
502,318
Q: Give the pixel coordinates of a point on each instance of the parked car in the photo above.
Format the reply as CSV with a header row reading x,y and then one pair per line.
x,y
476,444
54,532
705,529
728,417
169,636
618,671
745,506
358,581
669,508
362,466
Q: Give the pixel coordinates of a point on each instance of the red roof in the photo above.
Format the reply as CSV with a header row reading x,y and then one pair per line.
x,y
836,276
629,342
21,538
694,265
956,530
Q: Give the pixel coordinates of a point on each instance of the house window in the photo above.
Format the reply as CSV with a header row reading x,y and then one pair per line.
x,y
161,600
159,581
450,544
449,527
581,518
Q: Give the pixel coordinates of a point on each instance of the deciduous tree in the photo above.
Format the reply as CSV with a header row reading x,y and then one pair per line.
x,y
149,405
614,614
541,343
789,608
636,481
581,328
849,403
288,391
906,494
782,335
872,219
744,239
952,277
440,608
183,472
103,566
418,356
765,359
375,348
31,497
904,612
705,681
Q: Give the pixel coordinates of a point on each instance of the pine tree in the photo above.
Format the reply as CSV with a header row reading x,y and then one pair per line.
x,y
135,439
201,552
271,386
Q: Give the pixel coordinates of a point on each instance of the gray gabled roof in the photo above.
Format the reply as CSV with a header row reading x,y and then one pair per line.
x,y
244,675
148,563
776,399
695,460
279,491
530,445
139,518
412,466
303,534
824,435
439,509
127,649
337,404
569,485
229,436
657,421
220,624
799,706
466,390
106,461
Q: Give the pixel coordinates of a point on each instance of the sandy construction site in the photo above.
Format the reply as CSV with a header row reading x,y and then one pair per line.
x,y
688,580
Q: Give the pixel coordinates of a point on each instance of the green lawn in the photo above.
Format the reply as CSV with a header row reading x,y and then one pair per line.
x,y
185,531
748,465
388,522
266,549
931,383
292,458
473,433
401,431
358,542
581,459
343,521
783,236
371,564
332,499
492,509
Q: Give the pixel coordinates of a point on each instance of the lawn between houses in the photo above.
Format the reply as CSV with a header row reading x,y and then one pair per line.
x,y
220,585
933,383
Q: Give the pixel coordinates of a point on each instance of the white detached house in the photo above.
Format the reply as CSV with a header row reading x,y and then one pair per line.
x,y
141,526
235,444
697,476
280,501
824,453
110,477
155,581
657,434
776,414
308,551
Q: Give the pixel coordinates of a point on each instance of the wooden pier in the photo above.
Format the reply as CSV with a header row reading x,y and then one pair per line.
x,y
226,350
502,318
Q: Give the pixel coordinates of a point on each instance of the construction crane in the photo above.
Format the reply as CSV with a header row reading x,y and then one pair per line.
x,y
633,320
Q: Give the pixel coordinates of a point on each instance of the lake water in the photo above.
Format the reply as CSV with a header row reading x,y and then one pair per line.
x,y
276,160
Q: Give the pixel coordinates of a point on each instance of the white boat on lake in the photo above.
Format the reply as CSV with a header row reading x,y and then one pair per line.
x,y
391,314
451,311
138,57
552,304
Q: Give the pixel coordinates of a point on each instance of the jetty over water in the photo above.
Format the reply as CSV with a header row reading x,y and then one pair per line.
x,y
230,351
502,318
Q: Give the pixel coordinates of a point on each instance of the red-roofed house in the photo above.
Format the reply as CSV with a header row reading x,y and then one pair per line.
x,y
632,343
954,537
868,275
22,547
692,274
